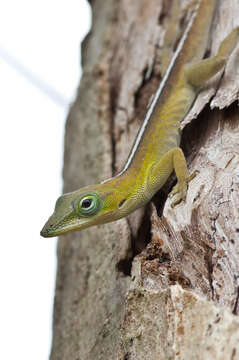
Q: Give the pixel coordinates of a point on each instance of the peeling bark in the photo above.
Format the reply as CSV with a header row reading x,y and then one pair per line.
x,y
163,283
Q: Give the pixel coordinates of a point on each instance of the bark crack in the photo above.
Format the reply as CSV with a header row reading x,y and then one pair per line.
x,y
138,242
210,271
235,309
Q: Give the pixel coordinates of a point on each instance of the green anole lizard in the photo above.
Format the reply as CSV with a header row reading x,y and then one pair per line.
x,y
156,152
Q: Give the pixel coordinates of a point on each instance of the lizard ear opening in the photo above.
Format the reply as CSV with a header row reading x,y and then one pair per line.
x,y
121,203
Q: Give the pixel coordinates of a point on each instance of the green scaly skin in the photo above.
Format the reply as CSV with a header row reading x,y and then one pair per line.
x,y
156,152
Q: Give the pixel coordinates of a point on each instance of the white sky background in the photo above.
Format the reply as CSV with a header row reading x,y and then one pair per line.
x,y
42,39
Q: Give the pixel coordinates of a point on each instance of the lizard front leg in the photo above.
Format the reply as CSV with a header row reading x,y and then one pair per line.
x,y
173,160
181,171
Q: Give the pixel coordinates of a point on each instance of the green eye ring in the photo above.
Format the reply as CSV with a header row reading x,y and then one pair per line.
x,y
88,205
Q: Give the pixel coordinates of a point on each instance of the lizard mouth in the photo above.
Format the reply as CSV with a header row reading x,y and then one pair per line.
x,y
55,228
46,232
50,231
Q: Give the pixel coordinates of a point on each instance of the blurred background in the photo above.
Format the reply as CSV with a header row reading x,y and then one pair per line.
x,y
39,75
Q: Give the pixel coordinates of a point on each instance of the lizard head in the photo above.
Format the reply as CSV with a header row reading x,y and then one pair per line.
x,y
91,205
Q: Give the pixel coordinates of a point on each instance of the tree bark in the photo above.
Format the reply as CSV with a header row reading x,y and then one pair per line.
x,y
163,283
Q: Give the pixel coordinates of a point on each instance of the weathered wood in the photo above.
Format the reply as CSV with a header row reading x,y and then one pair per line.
x,y
177,301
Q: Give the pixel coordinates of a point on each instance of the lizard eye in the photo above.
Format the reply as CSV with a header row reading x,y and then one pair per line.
x,y
89,205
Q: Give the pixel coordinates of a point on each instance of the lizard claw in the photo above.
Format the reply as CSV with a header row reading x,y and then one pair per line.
x,y
181,189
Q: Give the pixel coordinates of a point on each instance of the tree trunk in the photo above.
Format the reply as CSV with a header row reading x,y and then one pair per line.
x,y
163,283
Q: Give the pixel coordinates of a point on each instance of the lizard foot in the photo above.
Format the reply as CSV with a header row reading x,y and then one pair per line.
x,y
181,189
